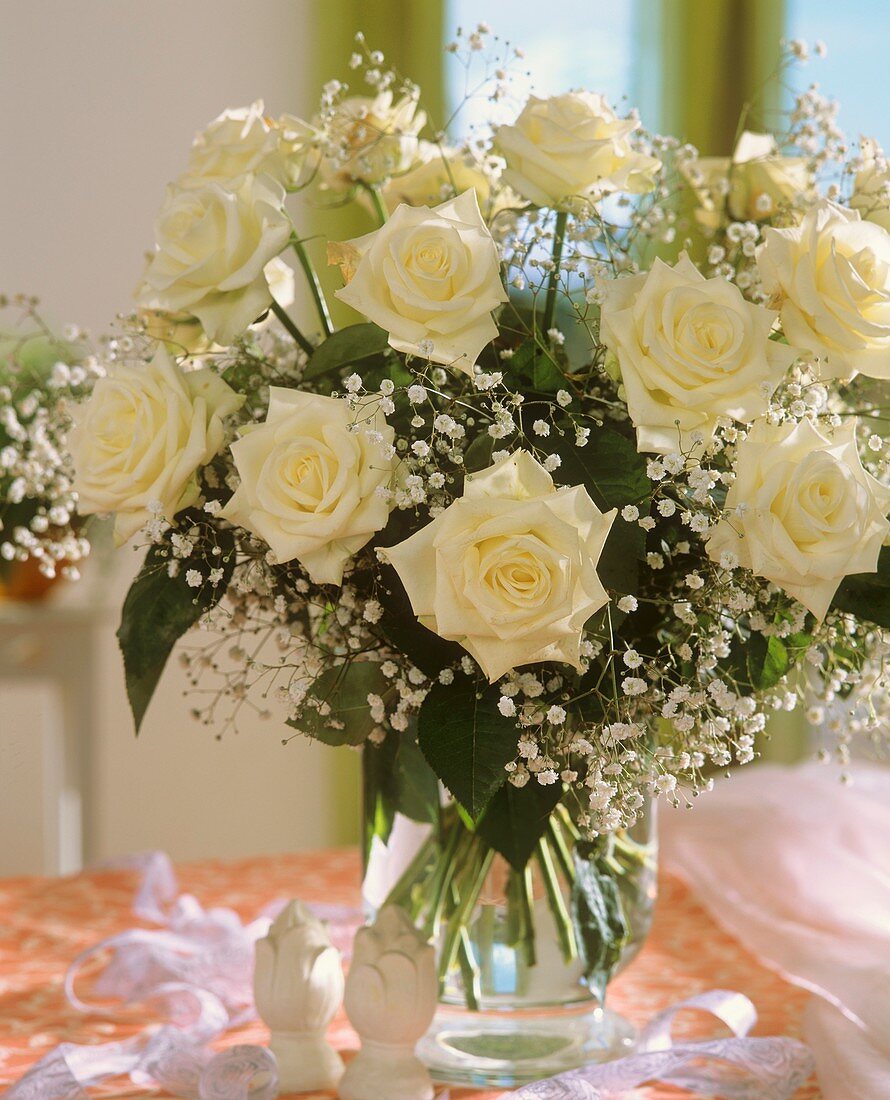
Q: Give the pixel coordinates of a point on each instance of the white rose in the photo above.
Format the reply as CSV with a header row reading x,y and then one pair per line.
x,y
439,174
370,139
753,184
212,245
182,332
690,350
245,141
141,437
811,515
309,483
871,187
509,569
831,277
431,277
572,146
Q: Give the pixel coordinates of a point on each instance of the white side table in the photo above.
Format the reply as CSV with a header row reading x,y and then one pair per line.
x,y
55,645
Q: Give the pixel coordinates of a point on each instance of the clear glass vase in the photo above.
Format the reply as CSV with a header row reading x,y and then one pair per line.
x,y
524,956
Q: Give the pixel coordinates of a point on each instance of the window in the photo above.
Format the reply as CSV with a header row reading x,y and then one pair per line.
x,y
856,35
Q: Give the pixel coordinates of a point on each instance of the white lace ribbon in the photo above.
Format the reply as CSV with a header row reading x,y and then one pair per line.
x,y
195,971
737,1068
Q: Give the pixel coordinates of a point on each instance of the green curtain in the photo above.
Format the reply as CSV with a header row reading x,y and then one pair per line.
x,y
704,61
411,35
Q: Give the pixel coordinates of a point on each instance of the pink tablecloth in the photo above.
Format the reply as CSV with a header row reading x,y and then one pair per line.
x,y
44,923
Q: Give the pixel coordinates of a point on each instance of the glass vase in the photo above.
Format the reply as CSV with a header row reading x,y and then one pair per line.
x,y
525,951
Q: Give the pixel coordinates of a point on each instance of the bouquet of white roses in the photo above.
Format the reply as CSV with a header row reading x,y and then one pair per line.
x,y
594,487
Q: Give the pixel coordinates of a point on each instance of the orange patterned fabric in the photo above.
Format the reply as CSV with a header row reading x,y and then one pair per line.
x,y
46,922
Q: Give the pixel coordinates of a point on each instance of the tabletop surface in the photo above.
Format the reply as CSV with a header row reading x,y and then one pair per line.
x,y
46,922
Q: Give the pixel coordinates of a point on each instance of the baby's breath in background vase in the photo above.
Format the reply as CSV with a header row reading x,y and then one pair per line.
x,y
525,946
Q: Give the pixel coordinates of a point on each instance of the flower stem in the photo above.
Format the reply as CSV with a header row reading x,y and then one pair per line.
x,y
377,201
315,289
283,317
558,909
559,236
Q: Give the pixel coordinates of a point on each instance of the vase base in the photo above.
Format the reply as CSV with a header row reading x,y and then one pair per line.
x,y
506,1050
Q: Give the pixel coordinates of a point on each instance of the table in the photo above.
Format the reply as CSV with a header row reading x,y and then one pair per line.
x,y
45,922
55,644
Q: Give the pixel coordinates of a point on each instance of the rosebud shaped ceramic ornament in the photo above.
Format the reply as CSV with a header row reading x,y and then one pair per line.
x,y
298,986
391,994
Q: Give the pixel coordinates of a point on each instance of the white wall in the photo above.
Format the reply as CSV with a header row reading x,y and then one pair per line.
x,y
101,99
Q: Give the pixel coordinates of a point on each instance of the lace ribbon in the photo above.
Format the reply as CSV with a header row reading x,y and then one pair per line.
x,y
739,1068
196,972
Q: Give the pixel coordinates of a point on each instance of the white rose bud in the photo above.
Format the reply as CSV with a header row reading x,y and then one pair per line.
x,y
690,350
429,277
831,278
391,995
244,140
509,569
572,146
439,173
212,245
298,987
370,139
309,482
812,514
141,437
753,184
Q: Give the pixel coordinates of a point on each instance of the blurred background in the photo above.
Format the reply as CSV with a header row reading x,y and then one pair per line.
x,y
102,100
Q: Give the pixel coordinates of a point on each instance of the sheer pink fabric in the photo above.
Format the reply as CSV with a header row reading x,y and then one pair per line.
x,y
796,865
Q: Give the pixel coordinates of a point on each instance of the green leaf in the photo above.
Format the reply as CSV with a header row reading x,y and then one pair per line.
x,y
397,779
345,689
867,595
609,467
515,819
158,610
535,368
768,661
478,455
346,348
467,741
598,915
619,564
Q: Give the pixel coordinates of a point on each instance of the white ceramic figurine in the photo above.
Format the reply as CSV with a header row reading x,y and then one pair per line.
x,y
391,995
298,986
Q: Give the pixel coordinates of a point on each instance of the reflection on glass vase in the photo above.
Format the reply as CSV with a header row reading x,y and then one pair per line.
x,y
524,955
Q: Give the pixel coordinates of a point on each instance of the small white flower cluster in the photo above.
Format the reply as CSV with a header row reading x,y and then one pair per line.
x,y
39,375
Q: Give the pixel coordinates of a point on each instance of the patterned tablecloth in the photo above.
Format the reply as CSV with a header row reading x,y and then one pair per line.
x,y
45,922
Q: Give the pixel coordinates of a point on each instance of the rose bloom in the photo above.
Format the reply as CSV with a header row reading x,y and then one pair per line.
x,y
182,332
509,569
690,350
572,146
831,277
141,437
811,516
871,187
309,484
428,277
212,245
244,140
370,139
752,185
438,174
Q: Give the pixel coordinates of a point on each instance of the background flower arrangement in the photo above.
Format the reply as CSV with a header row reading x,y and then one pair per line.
x,y
41,535
595,486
